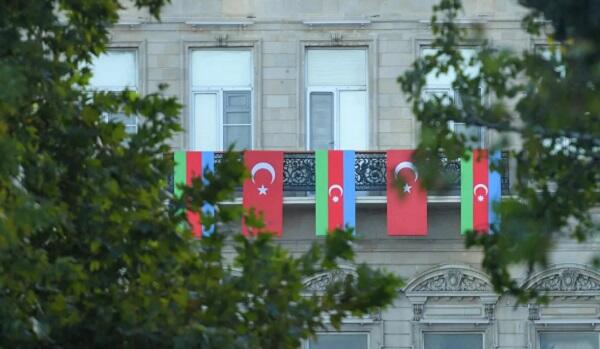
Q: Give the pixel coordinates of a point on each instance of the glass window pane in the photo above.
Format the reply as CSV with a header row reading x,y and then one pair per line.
x,y
236,107
321,120
221,68
472,134
114,70
354,124
339,341
130,121
444,80
204,126
337,67
238,135
568,340
453,341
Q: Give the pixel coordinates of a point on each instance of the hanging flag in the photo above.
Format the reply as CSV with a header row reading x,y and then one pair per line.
x,y
407,213
263,191
479,190
335,197
189,165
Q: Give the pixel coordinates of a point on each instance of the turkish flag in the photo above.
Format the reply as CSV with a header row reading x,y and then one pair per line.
x,y
263,191
480,190
406,214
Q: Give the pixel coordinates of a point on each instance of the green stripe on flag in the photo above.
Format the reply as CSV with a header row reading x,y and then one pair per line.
x,y
179,176
466,194
321,181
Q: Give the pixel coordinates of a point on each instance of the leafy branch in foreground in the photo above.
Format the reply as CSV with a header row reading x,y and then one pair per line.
x,y
541,103
95,252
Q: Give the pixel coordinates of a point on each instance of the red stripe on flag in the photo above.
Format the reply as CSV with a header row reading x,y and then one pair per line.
x,y
406,214
480,190
193,169
264,190
335,190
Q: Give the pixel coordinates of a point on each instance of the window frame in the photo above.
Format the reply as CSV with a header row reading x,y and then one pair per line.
x,y
483,132
539,333
219,91
335,89
306,344
136,49
457,332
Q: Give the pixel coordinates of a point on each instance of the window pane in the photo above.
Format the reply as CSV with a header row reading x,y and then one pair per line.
x,y
339,341
354,123
130,121
568,340
204,125
221,68
445,80
114,70
337,67
321,120
240,135
453,341
236,107
472,133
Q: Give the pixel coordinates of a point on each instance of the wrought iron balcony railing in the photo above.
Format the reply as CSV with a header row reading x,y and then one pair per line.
x,y
369,172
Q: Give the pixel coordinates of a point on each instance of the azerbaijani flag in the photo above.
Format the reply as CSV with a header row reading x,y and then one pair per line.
x,y
335,190
480,189
189,165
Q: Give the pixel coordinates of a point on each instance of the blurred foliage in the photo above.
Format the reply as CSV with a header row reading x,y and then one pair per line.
x,y
94,250
543,105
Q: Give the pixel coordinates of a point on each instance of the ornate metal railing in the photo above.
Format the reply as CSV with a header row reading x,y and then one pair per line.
x,y
369,172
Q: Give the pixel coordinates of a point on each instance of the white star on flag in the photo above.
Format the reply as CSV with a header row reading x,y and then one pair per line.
x,y
407,188
262,190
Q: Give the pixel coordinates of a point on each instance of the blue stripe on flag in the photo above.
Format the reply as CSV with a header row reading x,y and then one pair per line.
x,y
208,164
349,190
495,188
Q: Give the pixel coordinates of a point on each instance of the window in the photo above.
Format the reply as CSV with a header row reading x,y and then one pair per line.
x,y
453,341
337,98
569,340
339,341
441,85
115,71
221,99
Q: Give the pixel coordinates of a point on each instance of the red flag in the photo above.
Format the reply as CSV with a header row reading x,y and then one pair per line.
x,y
406,214
480,190
335,189
263,191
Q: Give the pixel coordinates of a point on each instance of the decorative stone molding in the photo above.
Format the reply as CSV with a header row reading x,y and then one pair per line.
x,y
566,281
319,283
417,311
450,281
534,311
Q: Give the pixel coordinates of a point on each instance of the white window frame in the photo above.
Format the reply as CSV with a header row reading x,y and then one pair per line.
x,y
336,96
219,91
116,89
481,333
539,333
368,334
454,96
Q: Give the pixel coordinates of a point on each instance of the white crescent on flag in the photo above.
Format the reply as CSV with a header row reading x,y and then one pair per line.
x,y
480,186
403,165
263,166
336,198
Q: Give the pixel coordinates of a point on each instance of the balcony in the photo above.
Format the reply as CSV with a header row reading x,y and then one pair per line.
x,y
370,177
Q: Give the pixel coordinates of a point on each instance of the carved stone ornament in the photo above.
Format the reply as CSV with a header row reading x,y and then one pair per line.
x,y
571,280
320,282
453,280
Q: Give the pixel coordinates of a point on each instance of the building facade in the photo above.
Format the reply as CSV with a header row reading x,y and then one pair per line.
x,y
321,74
